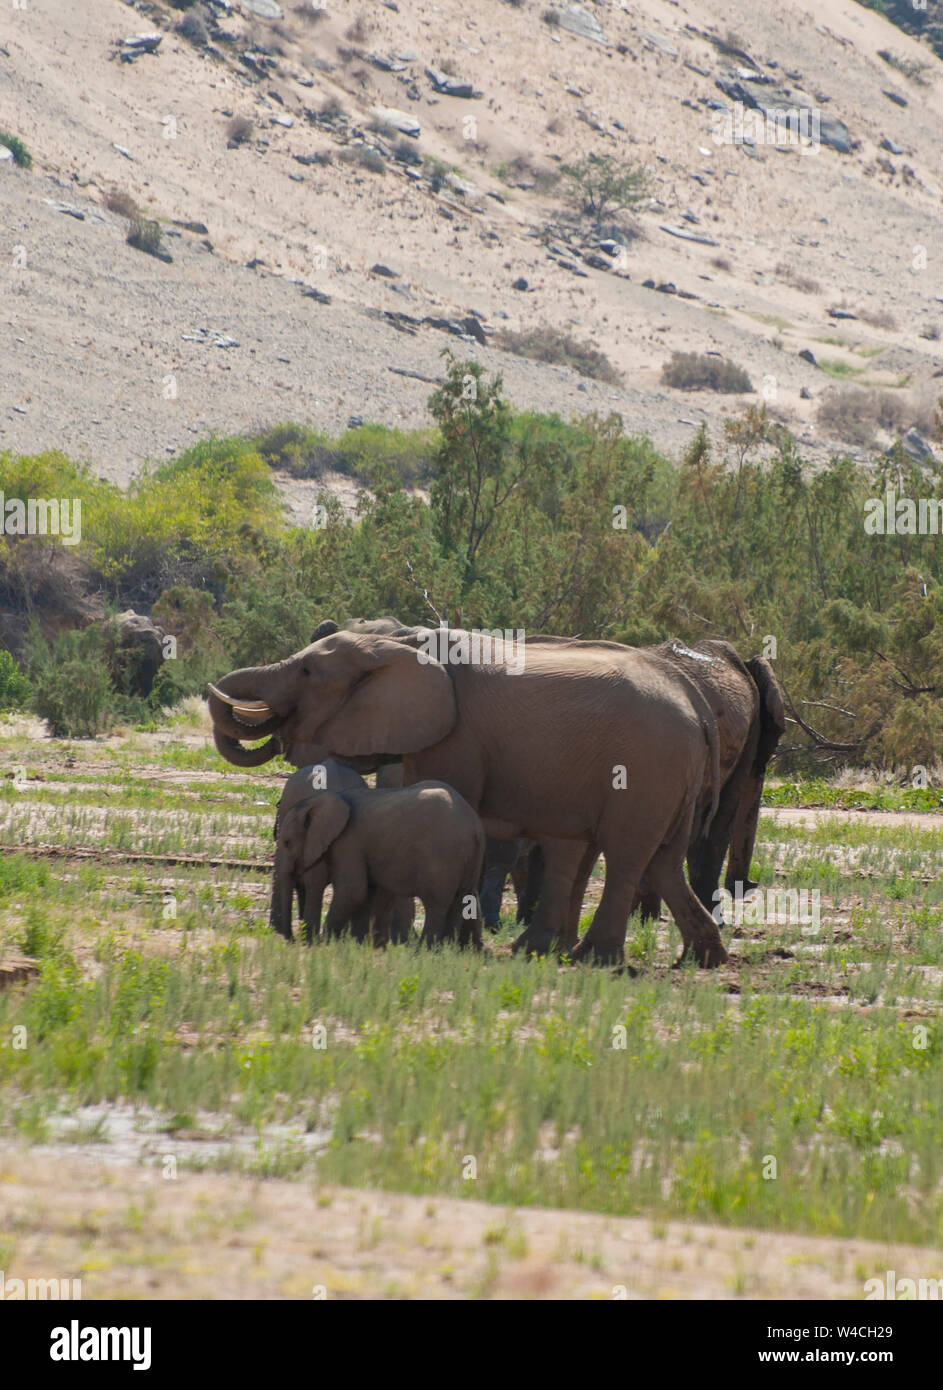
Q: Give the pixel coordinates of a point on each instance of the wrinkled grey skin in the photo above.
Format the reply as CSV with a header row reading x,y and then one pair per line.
x,y
404,909
534,751
301,785
748,708
379,845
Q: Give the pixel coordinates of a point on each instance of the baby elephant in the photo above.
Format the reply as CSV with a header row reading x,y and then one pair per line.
x,y
377,845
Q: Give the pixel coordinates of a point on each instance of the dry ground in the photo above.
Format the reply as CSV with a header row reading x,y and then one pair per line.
x,y
94,328
129,1232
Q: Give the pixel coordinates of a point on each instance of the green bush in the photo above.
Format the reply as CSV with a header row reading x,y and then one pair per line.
x,y
144,234
546,344
699,371
303,451
602,185
71,686
14,144
14,687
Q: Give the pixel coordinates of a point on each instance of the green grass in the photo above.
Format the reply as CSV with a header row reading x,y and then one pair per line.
x,y
834,366
818,792
659,1096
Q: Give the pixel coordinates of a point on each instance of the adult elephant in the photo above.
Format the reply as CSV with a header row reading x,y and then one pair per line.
x,y
589,741
746,703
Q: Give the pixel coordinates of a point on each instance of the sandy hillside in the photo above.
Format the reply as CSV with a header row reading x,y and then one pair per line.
x,y
96,336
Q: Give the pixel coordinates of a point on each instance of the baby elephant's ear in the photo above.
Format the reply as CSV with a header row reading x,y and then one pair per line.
x,y
325,816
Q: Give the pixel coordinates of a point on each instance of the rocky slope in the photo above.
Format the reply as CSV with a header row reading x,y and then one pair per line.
x,y
277,303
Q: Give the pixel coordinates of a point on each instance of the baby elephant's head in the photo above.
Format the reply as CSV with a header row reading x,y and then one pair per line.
x,y
310,828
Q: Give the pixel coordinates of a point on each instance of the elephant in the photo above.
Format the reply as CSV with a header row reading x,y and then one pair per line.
x,y
732,686
748,708
378,845
330,775
404,909
523,861
548,751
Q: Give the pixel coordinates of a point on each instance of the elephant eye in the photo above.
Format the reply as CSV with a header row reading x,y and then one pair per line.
x,y
305,671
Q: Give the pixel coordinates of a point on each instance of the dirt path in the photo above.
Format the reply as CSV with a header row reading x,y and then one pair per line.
x,y
129,1232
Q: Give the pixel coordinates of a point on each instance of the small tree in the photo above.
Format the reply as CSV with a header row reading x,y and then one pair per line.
x,y
602,186
475,472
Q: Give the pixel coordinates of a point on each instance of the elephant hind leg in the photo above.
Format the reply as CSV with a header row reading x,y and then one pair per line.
x,y
697,927
381,907
648,903
438,926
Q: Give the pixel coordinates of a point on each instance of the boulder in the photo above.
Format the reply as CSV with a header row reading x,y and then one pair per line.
x,y
264,9
140,653
450,86
399,120
578,20
917,448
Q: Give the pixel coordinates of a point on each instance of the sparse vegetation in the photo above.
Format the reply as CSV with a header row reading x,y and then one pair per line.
x,y
332,108
311,10
546,344
405,152
602,186
796,280
195,26
365,156
15,145
239,130
911,68
144,234
854,416
120,201
700,371
878,318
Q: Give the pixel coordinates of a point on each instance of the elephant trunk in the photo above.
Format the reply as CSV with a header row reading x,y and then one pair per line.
x,y
234,752
282,895
239,715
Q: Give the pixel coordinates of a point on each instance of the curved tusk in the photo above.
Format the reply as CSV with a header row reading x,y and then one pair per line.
x,y
245,711
252,712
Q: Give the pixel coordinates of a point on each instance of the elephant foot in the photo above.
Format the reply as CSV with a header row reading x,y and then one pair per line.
x,y
708,953
532,943
629,970
493,927
747,885
588,952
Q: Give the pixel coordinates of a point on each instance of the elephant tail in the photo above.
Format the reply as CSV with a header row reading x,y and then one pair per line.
x,y
713,743
772,712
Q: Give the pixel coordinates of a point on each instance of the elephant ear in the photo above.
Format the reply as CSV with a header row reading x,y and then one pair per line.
x,y
323,817
399,699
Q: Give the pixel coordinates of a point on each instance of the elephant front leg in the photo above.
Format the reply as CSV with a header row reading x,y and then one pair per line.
x,y
311,888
